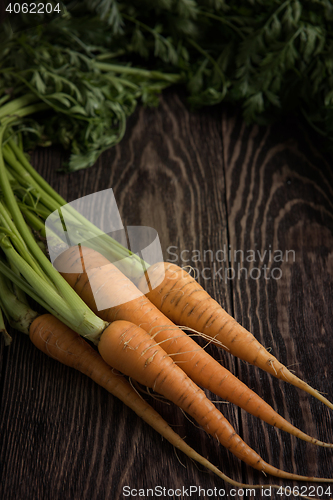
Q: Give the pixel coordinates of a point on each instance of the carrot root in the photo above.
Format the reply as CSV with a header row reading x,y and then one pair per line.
x,y
132,351
180,297
97,281
61,343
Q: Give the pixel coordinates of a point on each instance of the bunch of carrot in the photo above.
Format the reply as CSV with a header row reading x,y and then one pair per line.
x,y
56,340
139,336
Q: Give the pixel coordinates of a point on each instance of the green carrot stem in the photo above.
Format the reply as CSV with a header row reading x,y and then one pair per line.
x,y
129,70
78,306
46,188
20,173
38,225
125,83
17,104
110,55
17,215
87,324
79,313
7,221
7,338
223,21
16,311
35,175
34,221
12,179
5,233
18,241
42,287
25,287
105,243
9,119
17,290
108,245
38,208
20,141
4,99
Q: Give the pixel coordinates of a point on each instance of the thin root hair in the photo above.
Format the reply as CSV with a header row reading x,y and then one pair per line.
x,y
211,340
134,387
191,421
158,397
177,456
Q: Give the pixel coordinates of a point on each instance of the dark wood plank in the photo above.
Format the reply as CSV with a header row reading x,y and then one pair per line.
x,y
279,197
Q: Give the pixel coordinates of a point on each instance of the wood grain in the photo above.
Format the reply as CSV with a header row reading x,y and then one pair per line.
x,y
279,199
202,180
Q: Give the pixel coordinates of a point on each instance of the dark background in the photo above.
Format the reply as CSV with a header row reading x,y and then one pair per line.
x,y
202,180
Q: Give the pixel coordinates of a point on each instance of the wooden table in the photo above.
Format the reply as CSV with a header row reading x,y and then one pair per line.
x,y
205,181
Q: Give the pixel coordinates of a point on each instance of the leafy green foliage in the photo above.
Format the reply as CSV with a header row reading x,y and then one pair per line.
x,y
93,65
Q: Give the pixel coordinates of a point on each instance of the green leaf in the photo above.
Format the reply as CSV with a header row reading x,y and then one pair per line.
x,y
273,30
312,35
60,97
138,42
37,82
297,11
78,109
273,98
329,99
253,106
187,8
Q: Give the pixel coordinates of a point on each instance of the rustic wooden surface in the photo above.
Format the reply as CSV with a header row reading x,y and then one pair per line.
x,y
204,181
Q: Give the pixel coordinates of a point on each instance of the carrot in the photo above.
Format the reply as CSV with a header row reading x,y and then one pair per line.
x,y
87,270
180,297
131,350
58,341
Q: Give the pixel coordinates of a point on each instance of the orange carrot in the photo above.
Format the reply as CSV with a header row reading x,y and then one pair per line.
x,y
58,341
109,284
135,352
180,297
